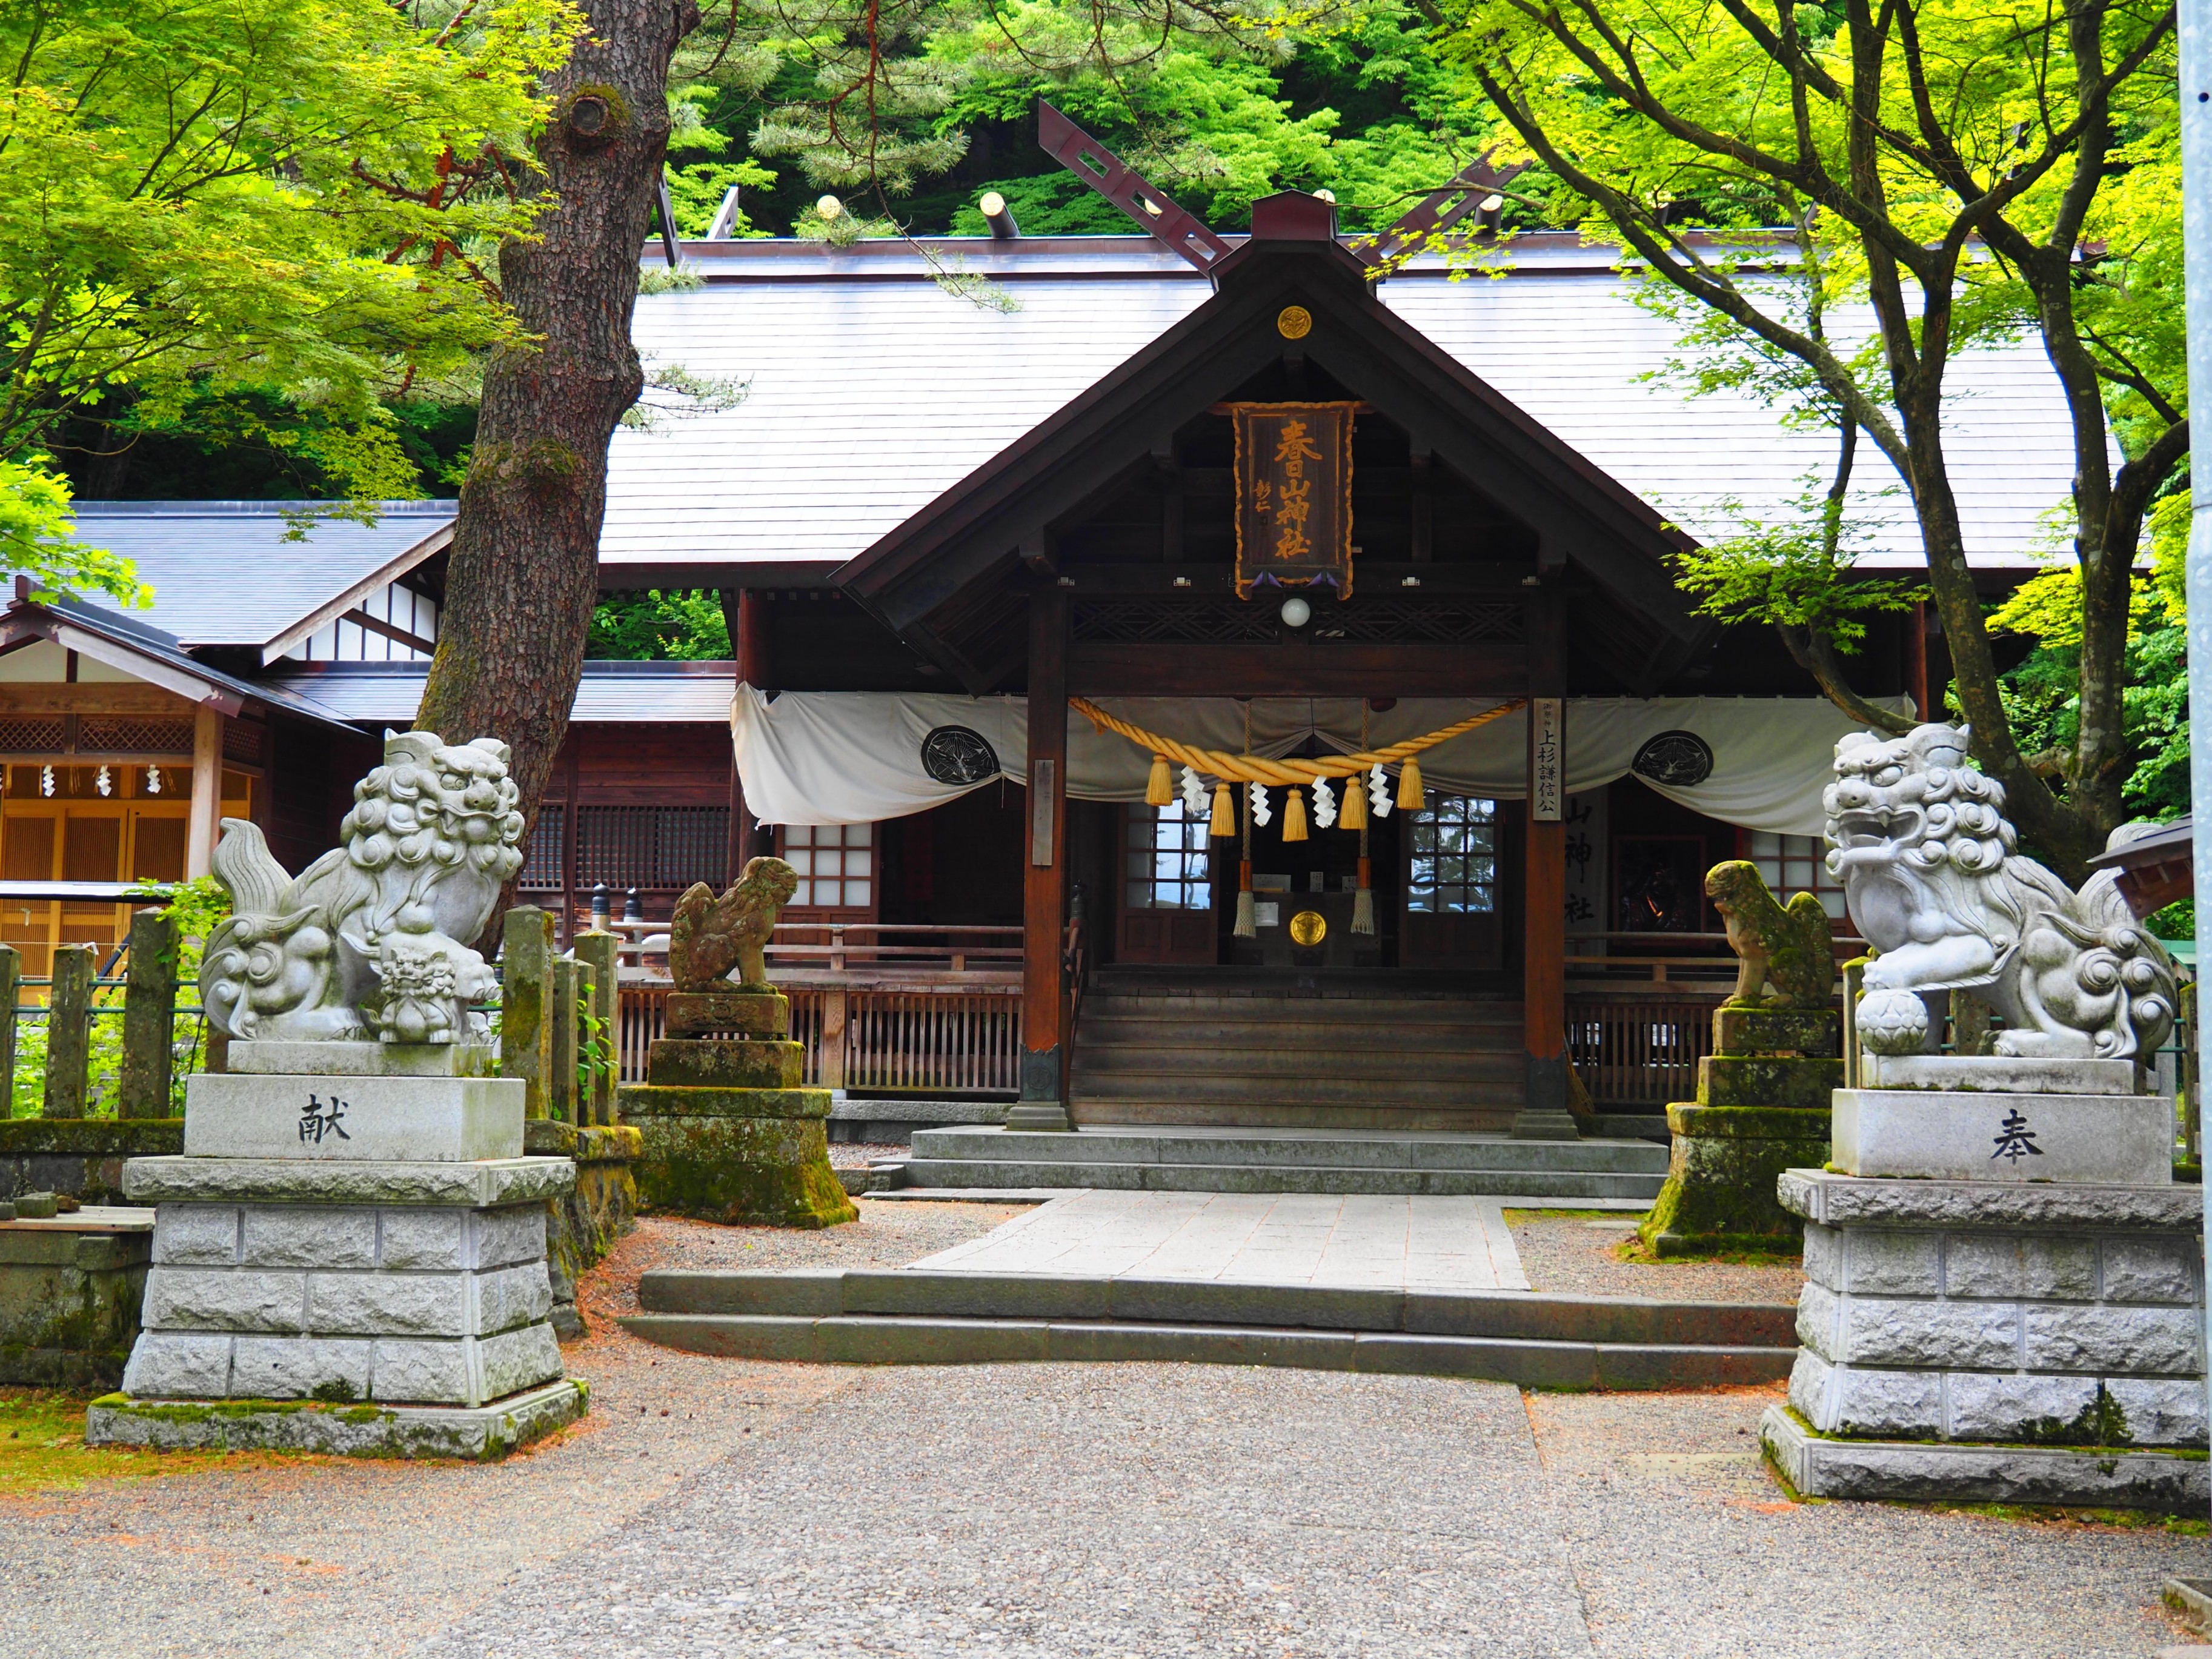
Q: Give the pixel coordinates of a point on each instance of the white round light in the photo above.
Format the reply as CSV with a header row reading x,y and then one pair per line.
x,y
828,207
992,204
1296,613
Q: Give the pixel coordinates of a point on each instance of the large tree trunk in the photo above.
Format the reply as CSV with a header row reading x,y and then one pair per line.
x,y
524,574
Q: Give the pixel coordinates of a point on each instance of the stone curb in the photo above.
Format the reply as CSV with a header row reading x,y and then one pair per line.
x,y
854,1340
1960,1472
481,1433
1839,1200
483,1184
1500,1314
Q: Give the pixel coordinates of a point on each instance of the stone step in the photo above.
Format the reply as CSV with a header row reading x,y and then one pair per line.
x,y
910,1317
1365,1012
1319,1063
1552,1186
1290,1149
1259,1114
1287,1100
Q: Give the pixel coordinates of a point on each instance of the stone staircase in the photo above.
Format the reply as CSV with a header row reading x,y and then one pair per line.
x,y
1187,1158
1283,1053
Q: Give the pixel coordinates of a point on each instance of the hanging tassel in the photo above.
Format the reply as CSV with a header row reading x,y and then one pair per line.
x,y
1379,791
1324,804
1294,815
1246,927
1256,803
1363,901
1409,786
1159,788
1224,813
1354,815
1193,794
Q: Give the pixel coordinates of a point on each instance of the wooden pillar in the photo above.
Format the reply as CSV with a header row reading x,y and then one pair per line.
x,y
207,792
749,639
1043,1104
1544,1115
1916,658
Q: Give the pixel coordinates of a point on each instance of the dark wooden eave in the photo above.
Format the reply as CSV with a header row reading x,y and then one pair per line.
x,y
922,576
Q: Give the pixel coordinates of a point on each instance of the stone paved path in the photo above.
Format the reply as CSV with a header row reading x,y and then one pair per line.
x,y
1364,1241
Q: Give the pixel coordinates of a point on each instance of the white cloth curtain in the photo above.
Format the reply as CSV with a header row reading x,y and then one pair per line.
x,y
856,757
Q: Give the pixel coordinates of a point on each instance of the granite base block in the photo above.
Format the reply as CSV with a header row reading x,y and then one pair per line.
x,y
1817,1465
749,1013
480,1433
726,1063
1964,1136
313,1118
1724,1161
765,1170
351,1060
1997,1074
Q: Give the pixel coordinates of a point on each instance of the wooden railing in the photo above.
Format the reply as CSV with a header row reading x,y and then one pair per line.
x,y
1639,1051
946,1036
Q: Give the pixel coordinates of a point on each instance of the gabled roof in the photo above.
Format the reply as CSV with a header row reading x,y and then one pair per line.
x,y
147,652
1581,517
223,573
871,391
618,693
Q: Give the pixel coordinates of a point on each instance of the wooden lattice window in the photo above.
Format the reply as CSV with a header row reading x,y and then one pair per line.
x,y
651,846
1454,867
836,862
1168,862
1796,864
541,870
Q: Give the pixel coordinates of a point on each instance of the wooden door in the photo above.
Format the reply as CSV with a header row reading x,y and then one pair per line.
x,y
1450,885
1166,901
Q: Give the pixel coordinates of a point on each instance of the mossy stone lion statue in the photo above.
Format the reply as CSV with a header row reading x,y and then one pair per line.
x,y
709,936
1789,946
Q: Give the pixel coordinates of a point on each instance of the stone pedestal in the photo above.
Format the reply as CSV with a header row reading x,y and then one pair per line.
x,y
1762,1108
726,1132
1997,1340
347,1260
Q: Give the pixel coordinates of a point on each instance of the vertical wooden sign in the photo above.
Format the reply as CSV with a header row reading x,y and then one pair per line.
x,y
1547,758
1293,495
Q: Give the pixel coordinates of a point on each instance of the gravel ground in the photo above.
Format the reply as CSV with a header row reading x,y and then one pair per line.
x,y
858,1154
1564,1253
725,1508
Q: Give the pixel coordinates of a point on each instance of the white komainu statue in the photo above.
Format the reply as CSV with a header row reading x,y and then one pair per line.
x,y
1933,879
371,938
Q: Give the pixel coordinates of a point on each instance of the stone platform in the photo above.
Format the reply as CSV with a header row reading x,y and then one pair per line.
x,y
726,1132
70,1286
478,1433
1989,1319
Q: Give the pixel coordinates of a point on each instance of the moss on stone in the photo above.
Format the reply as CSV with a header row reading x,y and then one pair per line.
x,y
1719,1198
91,1136
762,1170
1761,1080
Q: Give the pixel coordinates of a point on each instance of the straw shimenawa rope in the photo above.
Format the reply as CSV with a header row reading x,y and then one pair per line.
x,y
1283,773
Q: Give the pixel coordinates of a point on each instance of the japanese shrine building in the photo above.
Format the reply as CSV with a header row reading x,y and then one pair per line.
x,y
935,522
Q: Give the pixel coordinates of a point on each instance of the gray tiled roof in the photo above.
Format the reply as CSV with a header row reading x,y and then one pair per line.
x,y
387,694
132,632
222,572
873,391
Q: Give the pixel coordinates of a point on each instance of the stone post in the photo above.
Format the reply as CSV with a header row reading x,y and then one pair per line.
x,y
596,950
11,992
561,1092
149,1016
526,1029
68,1023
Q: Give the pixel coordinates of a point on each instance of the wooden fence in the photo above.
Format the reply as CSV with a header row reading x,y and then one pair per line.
x,y
1639,1052
954,1038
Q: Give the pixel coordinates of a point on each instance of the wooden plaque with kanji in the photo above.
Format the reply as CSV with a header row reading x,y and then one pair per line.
x,y
1293,495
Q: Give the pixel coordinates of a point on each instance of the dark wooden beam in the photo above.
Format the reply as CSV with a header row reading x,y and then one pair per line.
x,y
1296,670
1043,1104
361,619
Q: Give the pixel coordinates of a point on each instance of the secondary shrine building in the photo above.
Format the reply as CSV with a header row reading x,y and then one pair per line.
x,y
998,572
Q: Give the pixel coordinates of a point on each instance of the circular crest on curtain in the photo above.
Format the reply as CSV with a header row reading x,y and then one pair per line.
x,y
960,755
1677,759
